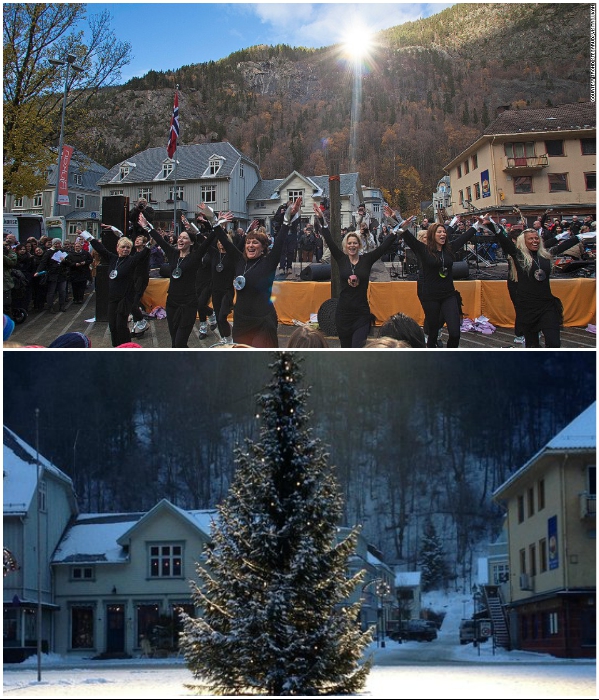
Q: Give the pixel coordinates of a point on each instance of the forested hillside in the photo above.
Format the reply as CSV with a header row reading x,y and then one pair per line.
x,y
413,439
428,90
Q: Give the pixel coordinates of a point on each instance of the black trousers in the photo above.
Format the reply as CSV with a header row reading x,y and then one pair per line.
x,y
434,311
118,315
180,319
223,303
357,339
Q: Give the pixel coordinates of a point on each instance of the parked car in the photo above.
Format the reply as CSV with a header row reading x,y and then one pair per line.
x,y
467,631
418,631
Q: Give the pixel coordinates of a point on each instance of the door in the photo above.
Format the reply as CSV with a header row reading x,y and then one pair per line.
x,y
115,628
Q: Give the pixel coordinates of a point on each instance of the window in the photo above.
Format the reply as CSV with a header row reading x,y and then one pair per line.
x,y
167,169
558,182
523,185
37,199
166,561
476,191
550,625
124,171
147,618
294,194
459,171
588,147
42,494
79,201
543,555
532,555
469,193
461,196
145,192
590,181
541,494
520,509
531,502
72,228
214,165
18,203
474,162
208,193
82,573
500,573
555,148
260,205
82,627
78,179
522,561
466,167
519,149
179,192
592,480
240,169
116,193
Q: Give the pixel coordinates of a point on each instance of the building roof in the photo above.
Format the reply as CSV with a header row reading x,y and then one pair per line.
x,y
20,473
407,579
268,189
575,116
580,434
100,538
192,163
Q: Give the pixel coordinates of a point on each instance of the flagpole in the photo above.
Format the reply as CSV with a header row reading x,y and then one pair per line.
x,y
175,184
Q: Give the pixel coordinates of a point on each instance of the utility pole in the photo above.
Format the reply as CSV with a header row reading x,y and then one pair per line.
x,y
335,226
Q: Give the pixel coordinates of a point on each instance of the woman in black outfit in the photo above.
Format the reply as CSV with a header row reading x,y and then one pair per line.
x,y
352,316
120,282
79,262
537,310
184,259
436,291
141,279
255,319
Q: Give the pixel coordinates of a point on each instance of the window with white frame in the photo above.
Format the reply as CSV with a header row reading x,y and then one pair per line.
x,y
260,205
79,201
214,165
37,199
78,179
166,561
167,169
82,573
179,192
500,573
145,192
18,203
208,193
72,228
124,171
116,193
294,194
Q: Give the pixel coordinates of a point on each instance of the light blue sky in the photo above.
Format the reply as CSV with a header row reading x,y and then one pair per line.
x,y
170,35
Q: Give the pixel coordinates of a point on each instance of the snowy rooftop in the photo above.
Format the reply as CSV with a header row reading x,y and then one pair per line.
x,y
406,579
580,434
94,537
20,473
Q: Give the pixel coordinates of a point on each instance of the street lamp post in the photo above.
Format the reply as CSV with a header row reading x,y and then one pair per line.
x,y
69,63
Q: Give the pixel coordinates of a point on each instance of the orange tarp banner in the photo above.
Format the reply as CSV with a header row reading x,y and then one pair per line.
x,y
298,300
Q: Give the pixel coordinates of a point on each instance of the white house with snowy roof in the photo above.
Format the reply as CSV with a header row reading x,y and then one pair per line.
x,y
32,488
121,578
551,527
408,587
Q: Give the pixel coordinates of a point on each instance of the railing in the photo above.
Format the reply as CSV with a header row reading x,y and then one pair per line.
x,y
534,162
588,505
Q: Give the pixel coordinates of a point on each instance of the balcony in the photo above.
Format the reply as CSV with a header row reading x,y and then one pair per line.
x,y
588,506
526,165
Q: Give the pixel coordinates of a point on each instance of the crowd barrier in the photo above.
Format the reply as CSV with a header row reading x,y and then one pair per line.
x,y
489,298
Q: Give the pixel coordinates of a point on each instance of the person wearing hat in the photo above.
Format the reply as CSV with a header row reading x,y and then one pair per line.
x,y
53,265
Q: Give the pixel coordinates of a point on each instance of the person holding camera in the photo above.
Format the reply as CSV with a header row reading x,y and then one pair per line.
x,y
141,208
184,259
352,316
255,318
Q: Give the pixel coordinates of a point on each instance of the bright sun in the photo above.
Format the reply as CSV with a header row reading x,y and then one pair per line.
x,y
357,42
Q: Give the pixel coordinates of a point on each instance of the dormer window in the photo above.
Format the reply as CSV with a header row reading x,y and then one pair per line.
x,y
214,165
167,169
124,171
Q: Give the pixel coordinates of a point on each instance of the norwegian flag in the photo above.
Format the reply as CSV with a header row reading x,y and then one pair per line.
x,y
174,132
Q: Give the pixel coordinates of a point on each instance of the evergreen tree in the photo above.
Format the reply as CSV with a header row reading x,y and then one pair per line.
x,y
432,559
273,589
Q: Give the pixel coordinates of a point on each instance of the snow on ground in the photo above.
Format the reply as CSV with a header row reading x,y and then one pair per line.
x,y
439,669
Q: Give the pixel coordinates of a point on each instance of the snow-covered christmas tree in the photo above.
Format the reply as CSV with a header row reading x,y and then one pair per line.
x,y
273,589
432,559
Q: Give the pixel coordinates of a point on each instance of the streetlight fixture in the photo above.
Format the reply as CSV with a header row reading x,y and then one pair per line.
x,y
69,63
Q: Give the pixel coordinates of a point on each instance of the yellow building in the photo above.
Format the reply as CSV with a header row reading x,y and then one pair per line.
x,y
551,521
532,159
